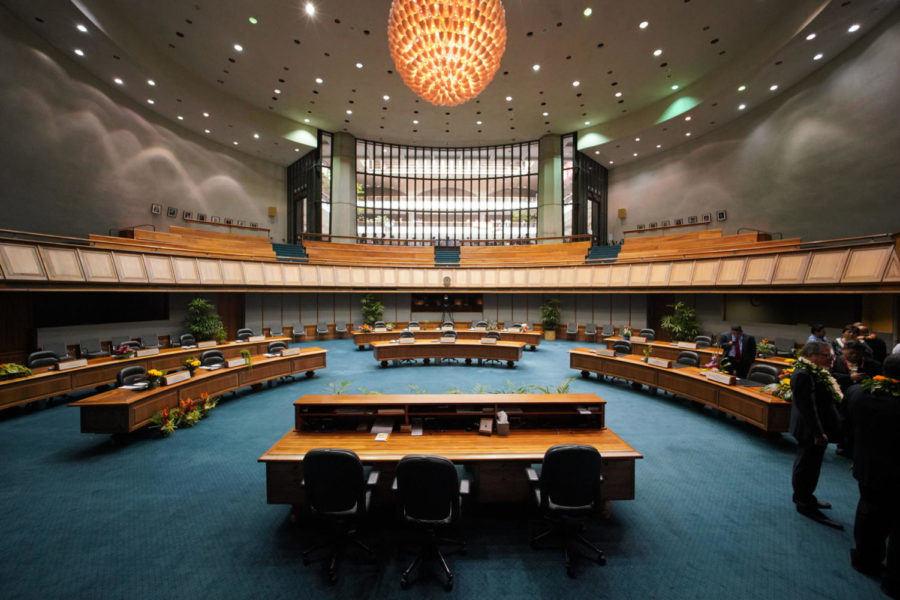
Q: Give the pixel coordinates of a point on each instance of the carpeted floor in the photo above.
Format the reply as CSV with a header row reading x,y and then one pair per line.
x,y
186,517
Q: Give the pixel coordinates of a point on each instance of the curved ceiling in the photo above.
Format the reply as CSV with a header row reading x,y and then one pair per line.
x,y
563,70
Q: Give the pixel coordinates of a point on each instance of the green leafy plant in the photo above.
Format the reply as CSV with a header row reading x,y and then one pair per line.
x,y
245,354
337,388
647,352
416,389
12,370
203,321
550,313
683,323
369,392
562,388
187,414
372,309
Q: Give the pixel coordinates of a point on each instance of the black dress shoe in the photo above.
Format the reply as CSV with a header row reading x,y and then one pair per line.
x,y
816,515
866,568
817,504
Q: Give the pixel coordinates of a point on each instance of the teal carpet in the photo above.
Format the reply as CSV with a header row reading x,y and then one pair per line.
x,y
186,517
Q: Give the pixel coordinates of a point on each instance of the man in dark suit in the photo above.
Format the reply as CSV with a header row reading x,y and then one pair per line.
x,y
852,366
876,466
740,347
875,344
814,421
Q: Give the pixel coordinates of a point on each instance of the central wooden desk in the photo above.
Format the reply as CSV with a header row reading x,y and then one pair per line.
x,y
670,351
450,429
746,403
366,338
468,350
123,410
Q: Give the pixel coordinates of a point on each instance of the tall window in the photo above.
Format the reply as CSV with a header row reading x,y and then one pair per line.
x,y
309,191
417,195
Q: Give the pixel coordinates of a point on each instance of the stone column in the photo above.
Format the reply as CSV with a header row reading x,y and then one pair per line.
x,y
343,186
550,186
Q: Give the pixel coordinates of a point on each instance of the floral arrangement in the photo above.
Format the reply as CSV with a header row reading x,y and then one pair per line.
x,y
626,332
186,414
647,351
123,351
365,328
523,327
883,385
765,347
389,326
12,370
154,377
782,389
191,364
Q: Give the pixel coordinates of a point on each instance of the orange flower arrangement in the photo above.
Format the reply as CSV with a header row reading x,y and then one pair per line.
x,y
883,385
187,414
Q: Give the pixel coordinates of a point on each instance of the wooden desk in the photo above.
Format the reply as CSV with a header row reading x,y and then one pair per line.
x,y
748,404
46,382
510,352
670,351
121,410
499,461
362,339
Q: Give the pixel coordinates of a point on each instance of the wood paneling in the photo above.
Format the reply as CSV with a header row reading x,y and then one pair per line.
x,y
185,270
826,267
253,273
866,265
62,264
21,262
731,271
210,272
705,272
159,269
791,269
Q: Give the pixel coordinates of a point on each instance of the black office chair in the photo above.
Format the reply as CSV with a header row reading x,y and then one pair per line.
x,y
187,339
430,492
379,324
276,331
569,486
60,350
650,334
493,334
448,324
590,330
210,358
321,328
243,334
622,346
41,358
276,347
688,357
131,375
480,325
134,345
703,341
406,334
763,373
90,348
412,324
337,489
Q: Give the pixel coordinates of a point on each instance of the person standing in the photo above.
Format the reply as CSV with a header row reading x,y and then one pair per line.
x,y
817,334
853,366
876,345
740,347
874,408
814,422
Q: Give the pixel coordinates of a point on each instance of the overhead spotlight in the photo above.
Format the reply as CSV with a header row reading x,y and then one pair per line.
x,y
255,136
310,9
742,106
818,56
79,51
81,28
238,47
643,25
318,80
773,87
853,28
536,68
657,52
151,83
810,37
118,80
588,11
386,97
576,83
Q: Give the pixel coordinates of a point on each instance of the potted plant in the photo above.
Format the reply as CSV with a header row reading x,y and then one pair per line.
x,y
765,348
12,370
626,333
372,309
203,321
550,316
682,324
191,365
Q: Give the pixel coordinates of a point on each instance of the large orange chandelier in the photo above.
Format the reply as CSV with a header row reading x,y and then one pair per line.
x,y
447,51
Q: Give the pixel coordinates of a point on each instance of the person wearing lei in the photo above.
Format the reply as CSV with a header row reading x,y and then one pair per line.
x,y
814,423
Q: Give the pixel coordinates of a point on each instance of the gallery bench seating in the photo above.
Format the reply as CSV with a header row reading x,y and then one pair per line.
x,y
701,244
181,240
324,253
573,253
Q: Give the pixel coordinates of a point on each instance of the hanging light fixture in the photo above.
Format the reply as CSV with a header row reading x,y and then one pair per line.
x,y
447,51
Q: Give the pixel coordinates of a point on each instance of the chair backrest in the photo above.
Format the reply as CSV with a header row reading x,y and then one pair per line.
x,y
608,330
41,358
129,343
413,324
492,334
429,488
571,477
590,329
622,346
275,347
187,339
650,334
340,328
333,481
212,357
406,333
480,324
763,373
784,346
572,328
150,340
703,341
688,357
379,324
448,324
244,334
321,327
90,346
448,333
131,375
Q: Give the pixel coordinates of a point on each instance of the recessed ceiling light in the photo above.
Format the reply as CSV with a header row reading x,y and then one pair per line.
x,y
118,80
79,51
359,65
611,162
253,20
415,121
151,101
277,91
310,9
810,37
206,114
81,28
643,24
509,98
773,87
349,112
687,118
596,152
635,154
238,47
386,97
255,136
618,94
742,106
478,122
659,145
688,134
675,86
587,122
296,149
818,56
206,130
318,80
235,142
742,88
546,114
637,139
305,121
588,11
150,82
536,67
576,83
853,28
657,52
180,118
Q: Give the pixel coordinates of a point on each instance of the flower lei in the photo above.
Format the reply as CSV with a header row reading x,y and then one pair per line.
x,y
880,383
822,376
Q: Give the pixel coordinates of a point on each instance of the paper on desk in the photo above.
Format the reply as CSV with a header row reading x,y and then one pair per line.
x,y
381,437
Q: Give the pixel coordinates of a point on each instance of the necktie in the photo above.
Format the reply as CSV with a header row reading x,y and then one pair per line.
x,y
737,350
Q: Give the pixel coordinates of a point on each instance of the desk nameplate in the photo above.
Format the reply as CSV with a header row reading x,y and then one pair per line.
x,y
207,344
147,352
71,364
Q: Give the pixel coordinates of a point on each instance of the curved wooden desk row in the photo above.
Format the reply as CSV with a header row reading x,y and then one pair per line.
x,y
468,350
748,404
530,338
121,411
670,351
498,461
46,382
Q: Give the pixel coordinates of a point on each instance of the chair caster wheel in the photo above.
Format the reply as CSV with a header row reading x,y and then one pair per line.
x,y
404,583
384,364
585,374
425,361
468,361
